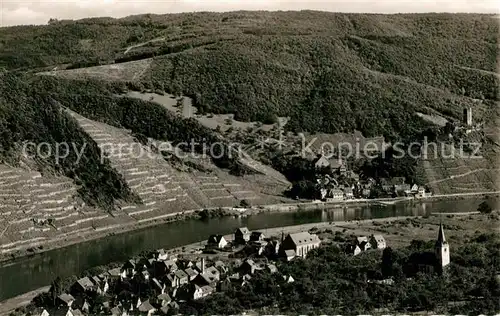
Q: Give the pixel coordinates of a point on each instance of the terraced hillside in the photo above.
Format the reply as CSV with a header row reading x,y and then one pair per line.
x,y
163,189
36,208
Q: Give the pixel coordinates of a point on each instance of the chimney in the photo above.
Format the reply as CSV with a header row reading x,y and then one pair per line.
x,y
202,265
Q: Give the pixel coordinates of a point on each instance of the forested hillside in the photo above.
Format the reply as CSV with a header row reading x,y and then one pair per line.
x,y
26,115
330,72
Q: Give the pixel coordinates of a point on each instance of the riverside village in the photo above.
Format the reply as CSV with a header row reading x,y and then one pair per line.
x,y
160,282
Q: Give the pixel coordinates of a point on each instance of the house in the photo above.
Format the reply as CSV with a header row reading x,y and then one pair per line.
x,y
196,292
353,250
335,195
257,236
242,235
163,299
184,264
206,290
40,312
219,265
101,284
217,241
145,275
118,311
421,192
337,165
271,268
249,267
146,308
204,279
81,303
158,286
301,243
363,243
213,272
82,285
377,242
143,264
414,188
161,254
343,169
288,279
66,311
76,312
177,278
128,269
191,273
289,254
321,162
65,299
399,184
114,273
272,248
348,193
163,267
365,192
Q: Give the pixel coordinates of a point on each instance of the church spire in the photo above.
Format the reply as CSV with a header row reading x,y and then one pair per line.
x,y
441,239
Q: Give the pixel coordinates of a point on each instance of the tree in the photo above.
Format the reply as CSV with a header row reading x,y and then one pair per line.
x,y
56,289
485,207
387,262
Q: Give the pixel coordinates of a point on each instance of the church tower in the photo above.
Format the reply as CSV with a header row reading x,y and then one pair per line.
x,y
442,249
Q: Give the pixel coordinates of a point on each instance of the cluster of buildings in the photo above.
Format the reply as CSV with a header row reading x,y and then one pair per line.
x,y
339,183
156,284
256,243
364,243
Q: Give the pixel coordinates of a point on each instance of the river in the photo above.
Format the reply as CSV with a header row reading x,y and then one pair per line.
x,y
32,272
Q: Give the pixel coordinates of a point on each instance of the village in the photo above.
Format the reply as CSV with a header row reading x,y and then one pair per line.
x,y
158,283
335,182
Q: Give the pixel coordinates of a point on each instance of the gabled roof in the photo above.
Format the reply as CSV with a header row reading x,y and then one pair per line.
x,y
76,312
114,272
361,239
85,283
207,289
164,297
65,297
215,239
191,272
243,230
116,311
256,235
145,306
378,238
180,274
303,238
157,283
321,161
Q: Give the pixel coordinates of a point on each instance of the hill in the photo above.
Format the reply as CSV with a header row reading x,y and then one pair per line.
x,y
259,65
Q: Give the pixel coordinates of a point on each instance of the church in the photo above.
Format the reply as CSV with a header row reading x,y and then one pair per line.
x,y
432,262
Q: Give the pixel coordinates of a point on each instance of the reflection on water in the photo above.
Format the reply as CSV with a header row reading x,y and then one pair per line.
x,y
30,273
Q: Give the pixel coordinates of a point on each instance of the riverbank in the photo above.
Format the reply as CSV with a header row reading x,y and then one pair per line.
x,y
44,246
398,231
